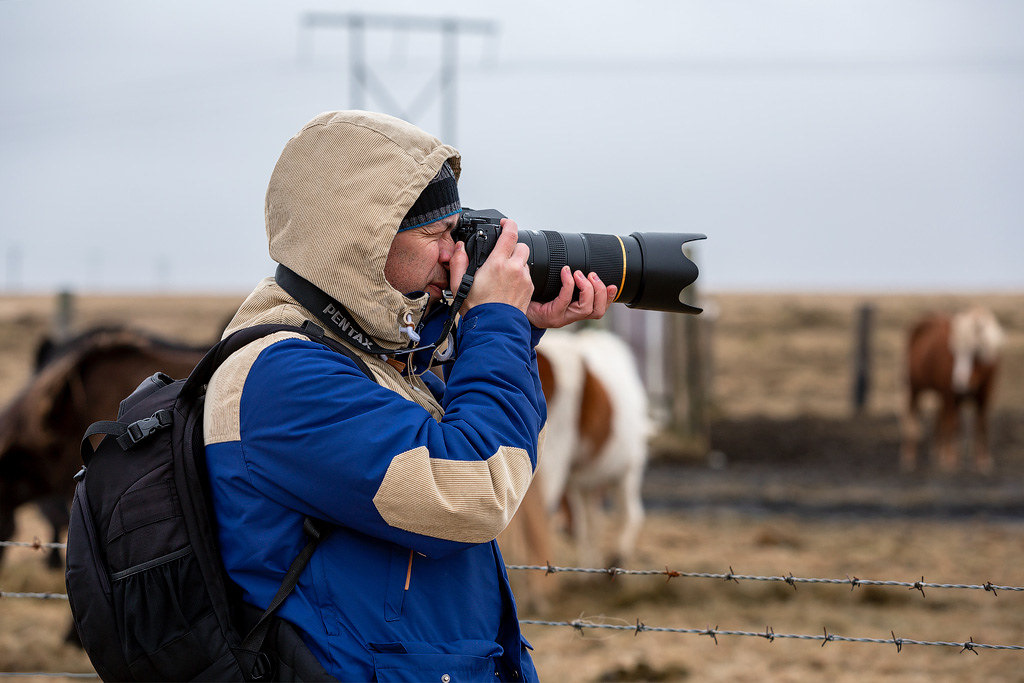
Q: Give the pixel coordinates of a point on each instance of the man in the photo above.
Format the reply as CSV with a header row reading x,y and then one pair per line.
x,y
416,476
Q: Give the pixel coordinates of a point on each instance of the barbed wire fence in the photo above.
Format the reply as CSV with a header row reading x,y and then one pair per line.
x,y
853,582
47,674
582,624
769,633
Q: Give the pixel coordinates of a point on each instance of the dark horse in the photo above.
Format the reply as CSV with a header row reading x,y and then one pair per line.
x,y
75,384
957,357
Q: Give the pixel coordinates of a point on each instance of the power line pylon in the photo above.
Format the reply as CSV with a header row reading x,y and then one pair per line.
x,y
363,82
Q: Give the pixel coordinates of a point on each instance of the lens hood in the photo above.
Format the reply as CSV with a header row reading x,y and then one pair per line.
x,y
665,271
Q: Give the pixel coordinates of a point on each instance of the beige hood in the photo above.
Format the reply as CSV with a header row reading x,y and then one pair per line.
x,y
341,187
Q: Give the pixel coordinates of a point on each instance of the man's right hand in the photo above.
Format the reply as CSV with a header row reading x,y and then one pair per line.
x,y
503,278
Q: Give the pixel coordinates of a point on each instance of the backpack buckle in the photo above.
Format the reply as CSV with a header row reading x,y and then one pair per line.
x,y
141,429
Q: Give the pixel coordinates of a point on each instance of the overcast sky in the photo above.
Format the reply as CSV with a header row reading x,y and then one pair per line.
x,y
847,145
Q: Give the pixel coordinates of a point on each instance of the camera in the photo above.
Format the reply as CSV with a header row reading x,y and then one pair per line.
x,y
650,269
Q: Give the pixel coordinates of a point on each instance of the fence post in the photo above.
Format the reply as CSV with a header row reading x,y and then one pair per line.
x,y
64,315
862,357
685,358
697,413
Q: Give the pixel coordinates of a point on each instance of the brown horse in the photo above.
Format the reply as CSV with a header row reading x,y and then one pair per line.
x,y
75,384
957,357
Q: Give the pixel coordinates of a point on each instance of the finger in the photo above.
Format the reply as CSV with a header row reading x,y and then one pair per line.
x,y
521,255
458,264
600,296
508,238
553,313
609,299
564,298
586,300
613,293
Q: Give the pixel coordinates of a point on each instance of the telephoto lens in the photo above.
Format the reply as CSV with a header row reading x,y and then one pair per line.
x,y
650,269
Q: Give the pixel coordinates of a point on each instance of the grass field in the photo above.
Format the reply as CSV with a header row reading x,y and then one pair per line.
x,y
782,416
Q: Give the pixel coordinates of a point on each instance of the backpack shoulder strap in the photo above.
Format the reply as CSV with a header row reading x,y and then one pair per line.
x,y
220,352
252,646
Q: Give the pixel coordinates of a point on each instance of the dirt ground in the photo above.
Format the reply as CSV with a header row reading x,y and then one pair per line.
x,y
795,484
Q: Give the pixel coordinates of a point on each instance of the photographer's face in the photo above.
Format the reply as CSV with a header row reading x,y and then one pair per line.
x,y
418,259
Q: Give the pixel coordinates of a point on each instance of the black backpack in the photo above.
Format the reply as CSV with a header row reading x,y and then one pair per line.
x,y
149,595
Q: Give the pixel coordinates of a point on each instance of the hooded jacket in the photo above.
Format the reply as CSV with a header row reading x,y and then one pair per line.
x,y
418,477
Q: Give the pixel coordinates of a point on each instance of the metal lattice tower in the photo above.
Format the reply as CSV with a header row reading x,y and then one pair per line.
x,y
363,82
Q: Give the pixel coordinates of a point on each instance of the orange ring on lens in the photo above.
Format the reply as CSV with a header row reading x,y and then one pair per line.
x,y
623,282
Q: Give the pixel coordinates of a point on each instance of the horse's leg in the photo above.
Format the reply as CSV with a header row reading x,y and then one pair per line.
x,y
630,512
597,523
982,455
911,432
56,511
527,540
6,526
949,420
579,503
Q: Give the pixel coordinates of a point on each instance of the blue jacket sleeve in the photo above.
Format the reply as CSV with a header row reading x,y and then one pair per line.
x,y
321,438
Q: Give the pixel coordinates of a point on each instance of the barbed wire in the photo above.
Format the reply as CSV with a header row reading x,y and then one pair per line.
x,y
853,582
579,625
770,635
47,674
37,596
35,544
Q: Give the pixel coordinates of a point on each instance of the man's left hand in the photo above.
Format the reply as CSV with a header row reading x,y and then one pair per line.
x,y
593,301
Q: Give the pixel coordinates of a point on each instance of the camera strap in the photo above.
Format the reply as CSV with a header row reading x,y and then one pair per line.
x,y
329,311
336,317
